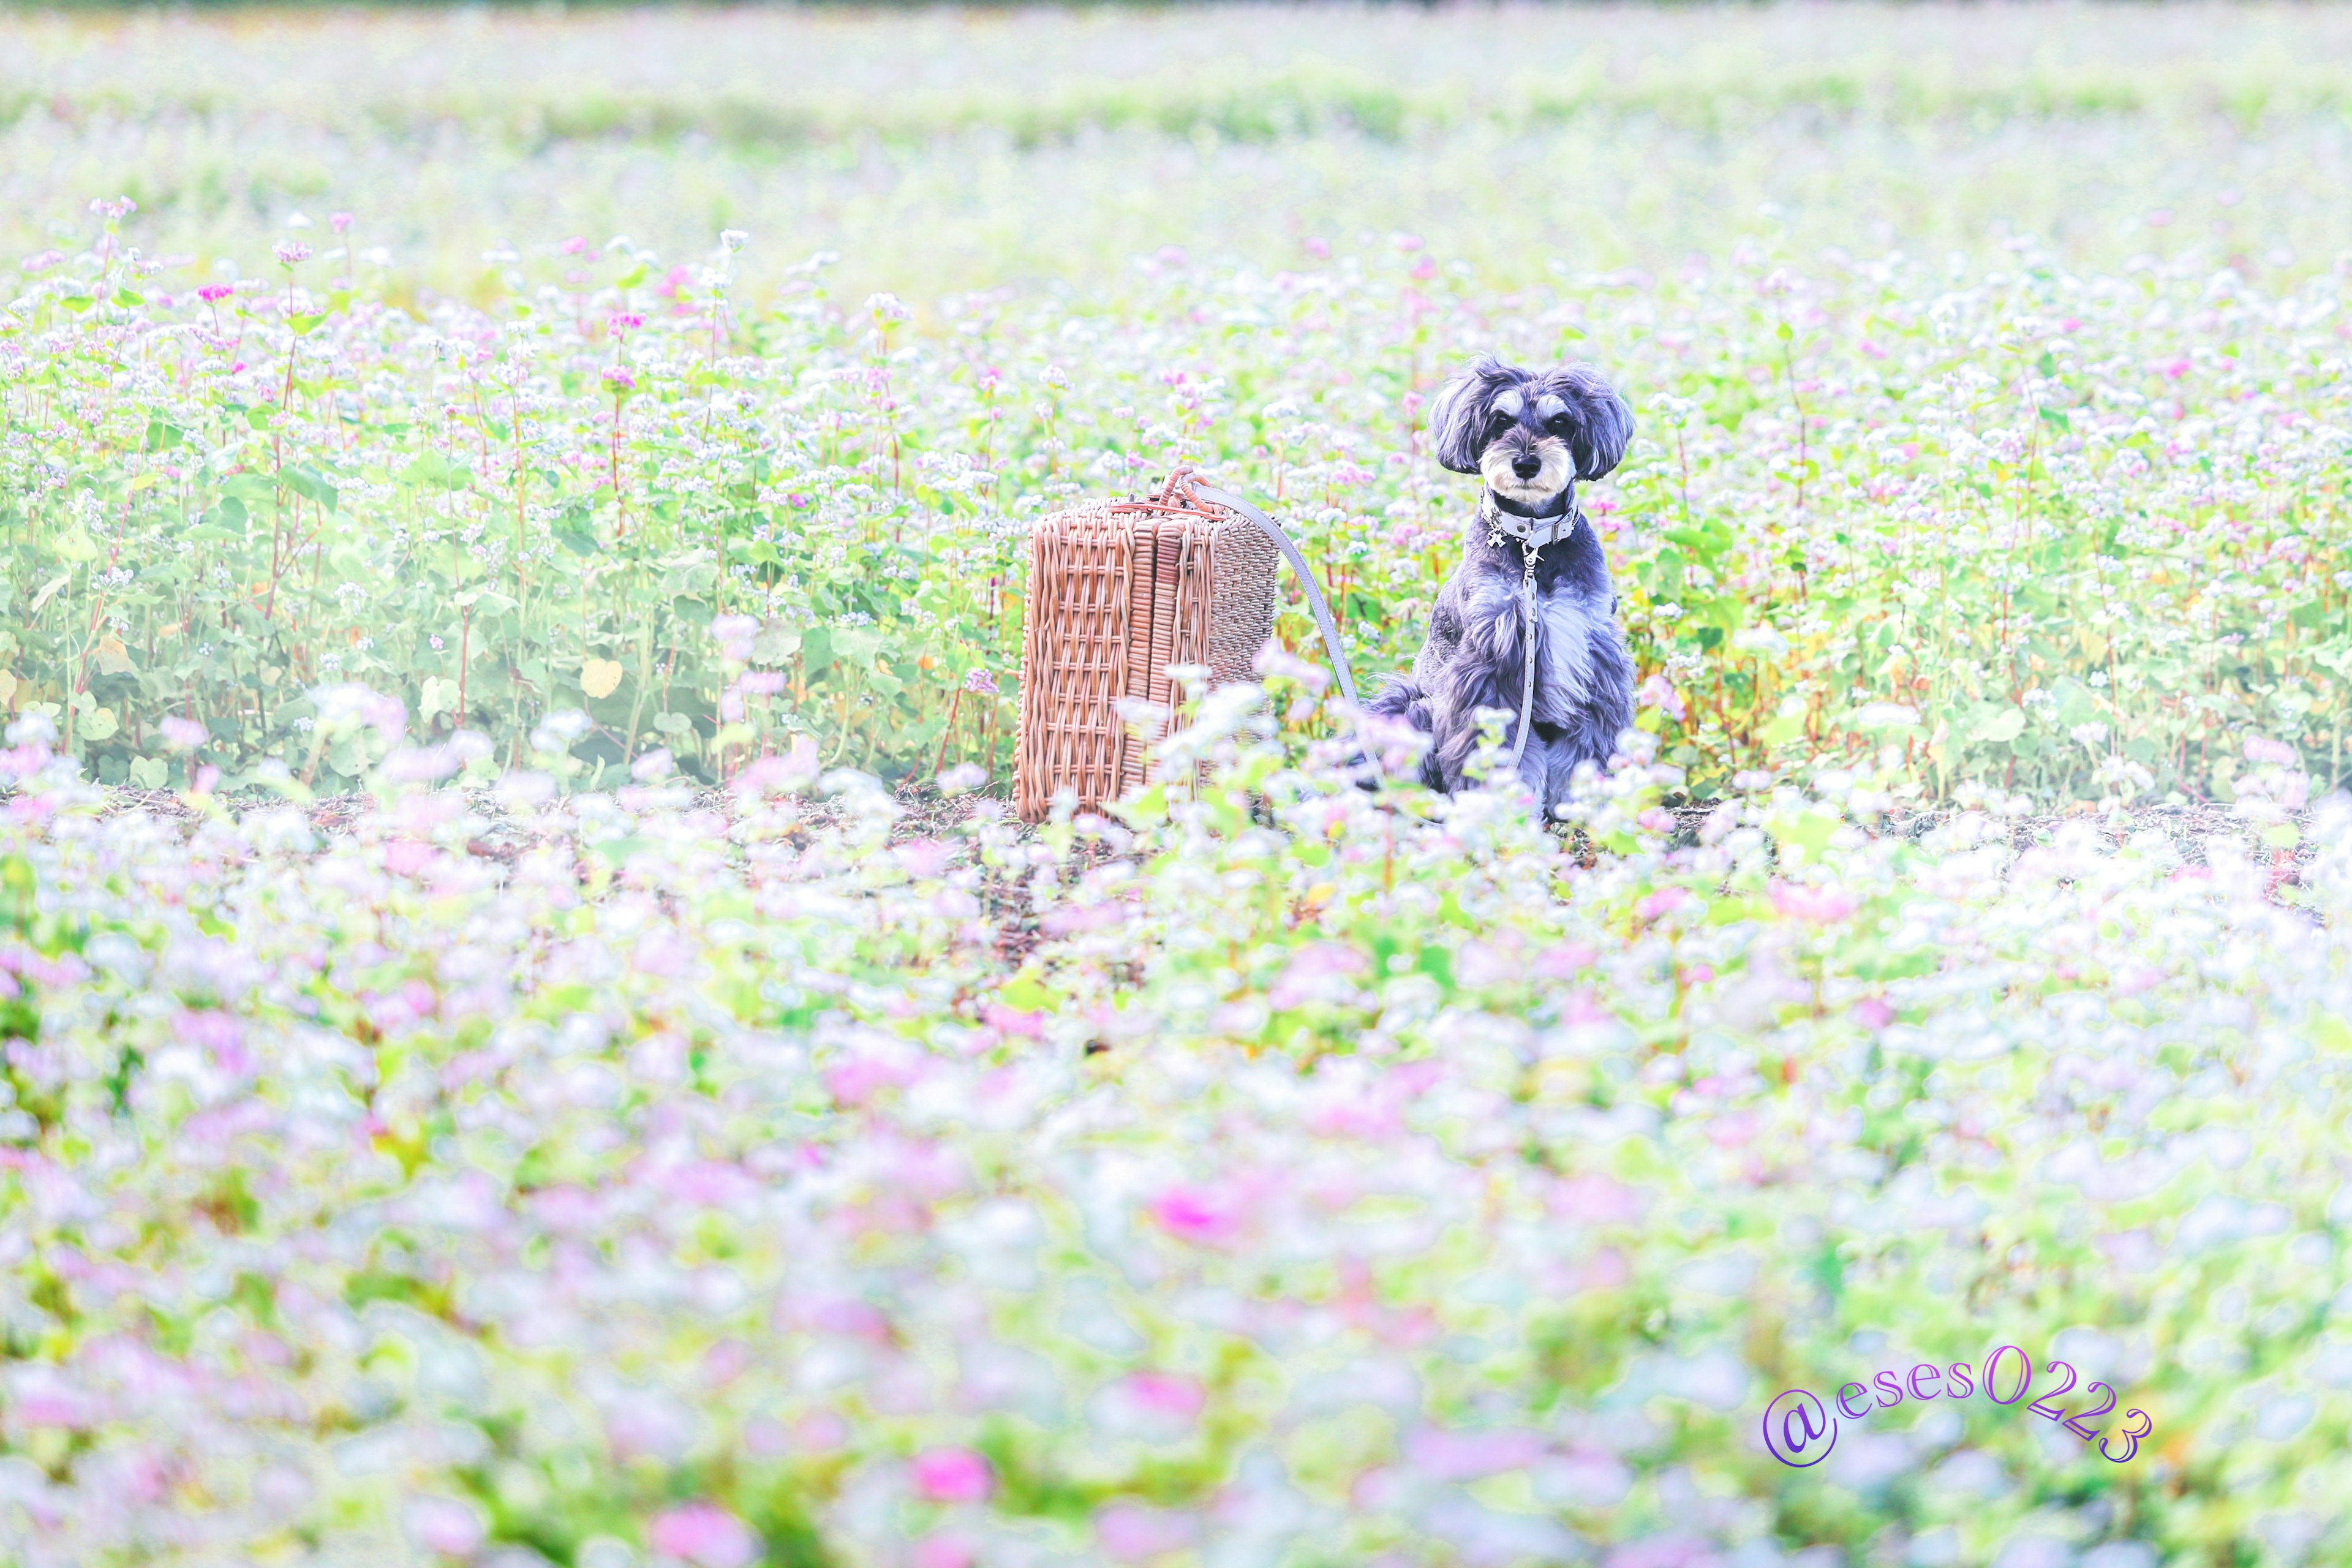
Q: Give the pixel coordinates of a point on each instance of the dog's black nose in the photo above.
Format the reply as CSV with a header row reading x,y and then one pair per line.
x,y
1526,468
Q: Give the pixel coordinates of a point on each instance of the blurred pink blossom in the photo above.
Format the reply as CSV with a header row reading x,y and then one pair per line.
x,y
952,1475
446,1525
704,1534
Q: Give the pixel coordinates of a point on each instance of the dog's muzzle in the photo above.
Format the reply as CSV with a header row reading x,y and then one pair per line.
x,y
1527,472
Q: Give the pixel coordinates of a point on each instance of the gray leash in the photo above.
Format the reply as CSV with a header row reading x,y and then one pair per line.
x,y
1315,601
1526,529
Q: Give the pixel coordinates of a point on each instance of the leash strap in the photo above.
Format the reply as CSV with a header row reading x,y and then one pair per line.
x,y
1533,535
1527,649
1315,600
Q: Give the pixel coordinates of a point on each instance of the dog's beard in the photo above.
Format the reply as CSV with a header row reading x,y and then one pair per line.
x,y
1494,468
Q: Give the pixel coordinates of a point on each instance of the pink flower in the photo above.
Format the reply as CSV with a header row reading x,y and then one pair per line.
x,y
1319,971
1204,1218
1659,692
924,858
2259,749
446,1525
291,251
1158,1406
944,1551
621,324
952,1475
340,222
1128,1532
1598,1200
1821,906
182,734
1468,1456
705,1535
1873,1013
619,379
1664,902
212,293
980,683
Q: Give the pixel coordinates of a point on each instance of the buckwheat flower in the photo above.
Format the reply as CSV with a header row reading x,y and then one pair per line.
x,y
213,293
887,307
619,379
705,1535
446,1525
1816,906
622,324
291,251
952,1475
435,642
1131,1532
2259,749
981,682
733,239
182,734
1204,1217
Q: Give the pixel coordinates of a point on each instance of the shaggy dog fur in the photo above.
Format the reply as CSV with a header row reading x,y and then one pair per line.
x,y
1531,436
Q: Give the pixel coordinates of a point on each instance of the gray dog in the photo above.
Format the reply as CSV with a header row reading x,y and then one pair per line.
x,y
1530,434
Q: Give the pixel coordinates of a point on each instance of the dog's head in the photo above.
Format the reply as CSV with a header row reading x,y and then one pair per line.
x,y
1528,433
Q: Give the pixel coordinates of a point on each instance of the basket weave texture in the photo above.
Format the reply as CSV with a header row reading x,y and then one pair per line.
x,y
1119,590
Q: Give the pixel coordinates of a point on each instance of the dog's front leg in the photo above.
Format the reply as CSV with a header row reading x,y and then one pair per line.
x,y
1488,670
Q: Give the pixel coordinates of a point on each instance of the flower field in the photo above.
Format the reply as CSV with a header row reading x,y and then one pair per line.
x,y
532,1037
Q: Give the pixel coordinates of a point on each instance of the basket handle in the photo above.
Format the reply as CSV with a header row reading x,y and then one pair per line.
x,y
1306,579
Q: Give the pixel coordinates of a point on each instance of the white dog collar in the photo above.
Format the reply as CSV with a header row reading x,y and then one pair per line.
x,y
1532,532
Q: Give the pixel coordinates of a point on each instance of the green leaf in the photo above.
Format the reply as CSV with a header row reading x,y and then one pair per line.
x,y
776,644
2052,416
575,529
1025,994
1997,723
310,484
426,468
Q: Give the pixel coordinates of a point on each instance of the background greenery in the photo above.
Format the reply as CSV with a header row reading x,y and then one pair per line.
x,y
2034,304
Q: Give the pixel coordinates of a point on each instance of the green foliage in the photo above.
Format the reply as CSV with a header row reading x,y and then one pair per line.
x,y
2004,521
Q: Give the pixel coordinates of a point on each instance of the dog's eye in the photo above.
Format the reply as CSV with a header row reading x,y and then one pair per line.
x,y
1558,425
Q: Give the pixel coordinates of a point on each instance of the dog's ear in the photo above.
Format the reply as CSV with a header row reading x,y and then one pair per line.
x,y
1457,416
1600,426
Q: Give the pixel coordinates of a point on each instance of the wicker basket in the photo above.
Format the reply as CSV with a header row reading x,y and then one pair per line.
x,y
1119,592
